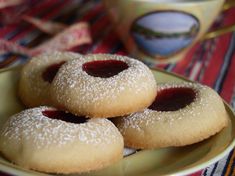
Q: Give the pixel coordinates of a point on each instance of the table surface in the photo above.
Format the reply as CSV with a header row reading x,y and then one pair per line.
x,y
211,62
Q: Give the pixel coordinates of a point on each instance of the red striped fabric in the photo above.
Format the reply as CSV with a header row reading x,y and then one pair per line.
x,y
53,13
228,85
92,13
215,63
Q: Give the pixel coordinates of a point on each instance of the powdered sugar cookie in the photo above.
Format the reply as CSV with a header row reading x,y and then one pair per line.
x,y
37,75
103,85
182,114
48,140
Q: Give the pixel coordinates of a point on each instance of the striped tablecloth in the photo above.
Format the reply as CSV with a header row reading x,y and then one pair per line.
x,y
210,62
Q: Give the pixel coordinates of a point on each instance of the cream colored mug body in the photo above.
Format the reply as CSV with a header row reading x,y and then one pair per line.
x,y
161,31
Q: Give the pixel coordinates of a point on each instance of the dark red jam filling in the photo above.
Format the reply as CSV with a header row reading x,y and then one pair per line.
x,y
173,99
104,68
50,72
64,116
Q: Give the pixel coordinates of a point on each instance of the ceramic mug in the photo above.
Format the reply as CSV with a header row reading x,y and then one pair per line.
x,y
161,31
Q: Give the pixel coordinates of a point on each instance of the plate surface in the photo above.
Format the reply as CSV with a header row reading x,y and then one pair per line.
x,y
167,161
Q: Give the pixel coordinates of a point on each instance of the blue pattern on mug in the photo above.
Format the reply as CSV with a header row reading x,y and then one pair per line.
x,y
164,33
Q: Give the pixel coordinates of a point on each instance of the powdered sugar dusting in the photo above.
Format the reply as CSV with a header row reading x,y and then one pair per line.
x,y
204,95
92,90
31,125
36,65
32,85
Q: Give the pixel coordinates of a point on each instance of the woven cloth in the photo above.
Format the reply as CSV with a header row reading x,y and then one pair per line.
x,y
211,62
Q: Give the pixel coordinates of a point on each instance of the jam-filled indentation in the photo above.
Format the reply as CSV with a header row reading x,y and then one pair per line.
x,y
104,68
50,72
173,99
64,116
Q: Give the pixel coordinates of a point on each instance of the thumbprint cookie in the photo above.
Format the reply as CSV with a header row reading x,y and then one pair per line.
x,y
182,114
49,140
37,75
103,85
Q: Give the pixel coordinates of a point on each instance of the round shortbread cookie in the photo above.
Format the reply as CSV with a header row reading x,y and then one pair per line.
x,y
41,139
182,114
103,85
37,75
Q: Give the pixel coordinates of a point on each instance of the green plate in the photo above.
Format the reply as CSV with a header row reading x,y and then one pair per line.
x,y
167,161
